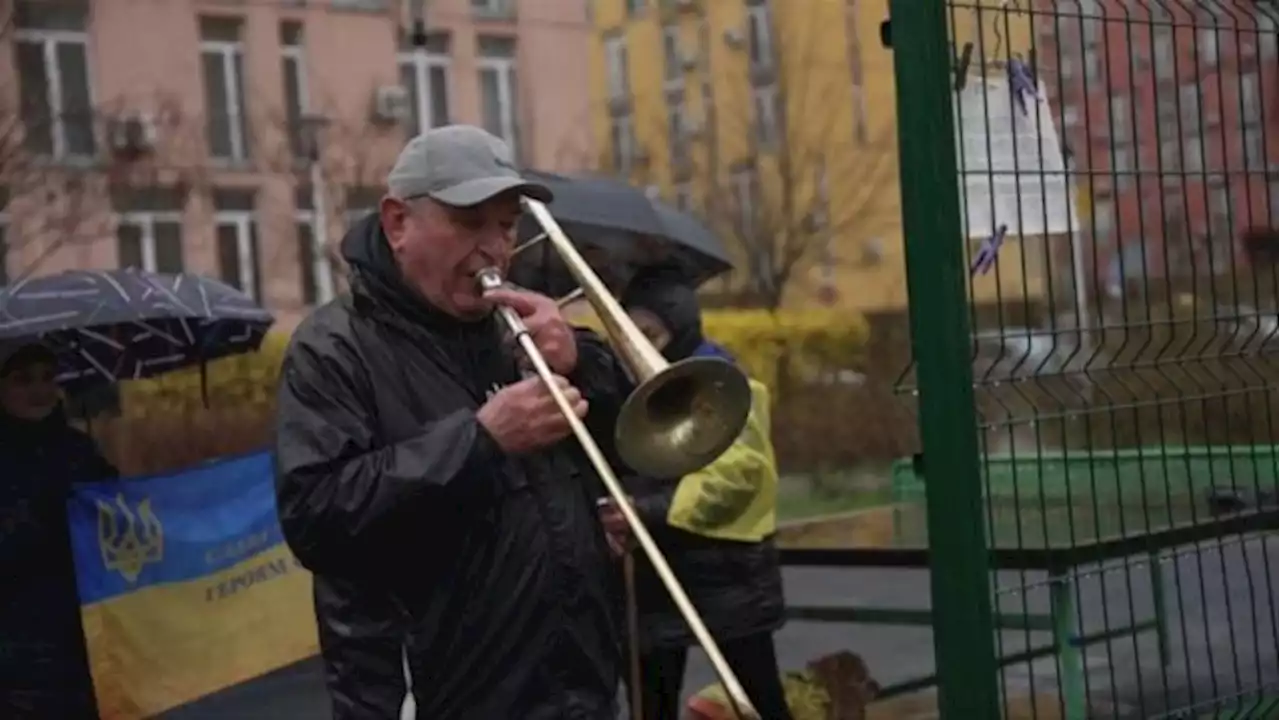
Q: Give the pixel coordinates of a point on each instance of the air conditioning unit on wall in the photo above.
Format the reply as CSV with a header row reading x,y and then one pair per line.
x,y
131,135
391,104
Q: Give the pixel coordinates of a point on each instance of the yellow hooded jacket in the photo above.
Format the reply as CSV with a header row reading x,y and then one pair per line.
x,y
735,497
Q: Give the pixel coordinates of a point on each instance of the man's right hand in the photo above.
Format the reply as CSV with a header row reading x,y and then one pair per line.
x,y
524,417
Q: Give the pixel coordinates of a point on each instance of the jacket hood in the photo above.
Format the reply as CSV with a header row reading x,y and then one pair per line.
x,y
376,279
675,303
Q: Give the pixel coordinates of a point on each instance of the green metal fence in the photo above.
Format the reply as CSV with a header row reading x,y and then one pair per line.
x,y
1120,450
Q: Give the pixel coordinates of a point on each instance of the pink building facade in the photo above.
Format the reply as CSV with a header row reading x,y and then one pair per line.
x,y
1169,113
204,135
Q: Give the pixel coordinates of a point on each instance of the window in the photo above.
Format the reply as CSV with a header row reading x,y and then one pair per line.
x,y
51,55
744,196
765,102
618,70
1122,167
1207,36
676,132
635,7
1103,219
424,72
1120,118
1092,68
492,8
1255,150
1251,119
672,62
237,234
1189,106
1193,154
682,195
1219,208
1162,47
759,35
1090,22
622,143
499,91
222,54
149,229
293,67
1250,109
314,267
1266,24
1170,161
1067,67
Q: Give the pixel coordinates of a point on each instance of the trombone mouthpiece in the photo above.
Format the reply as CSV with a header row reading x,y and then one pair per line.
x,y
489,279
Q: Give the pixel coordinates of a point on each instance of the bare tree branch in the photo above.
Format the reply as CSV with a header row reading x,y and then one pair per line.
x,y
789,219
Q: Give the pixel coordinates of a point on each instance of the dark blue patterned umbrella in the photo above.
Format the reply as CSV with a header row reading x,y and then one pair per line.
x,y
111,325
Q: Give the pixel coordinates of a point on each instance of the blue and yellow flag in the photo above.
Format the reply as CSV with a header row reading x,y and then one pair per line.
x,y
186,585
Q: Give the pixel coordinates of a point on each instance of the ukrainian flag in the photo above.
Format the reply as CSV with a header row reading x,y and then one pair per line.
x,y
186,584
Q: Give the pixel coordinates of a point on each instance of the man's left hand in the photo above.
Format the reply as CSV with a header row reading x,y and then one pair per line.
x,y
547,326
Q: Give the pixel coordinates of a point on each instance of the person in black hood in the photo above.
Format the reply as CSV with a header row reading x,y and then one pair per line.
x,y
714,527
437,497
44,666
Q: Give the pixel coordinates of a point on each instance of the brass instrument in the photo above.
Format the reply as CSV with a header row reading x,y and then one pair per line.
x,y
681,417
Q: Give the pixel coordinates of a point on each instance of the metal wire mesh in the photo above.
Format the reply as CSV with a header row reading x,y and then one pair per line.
x,y
1125,398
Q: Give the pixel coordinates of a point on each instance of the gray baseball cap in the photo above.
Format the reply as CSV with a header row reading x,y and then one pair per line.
x,y
459,165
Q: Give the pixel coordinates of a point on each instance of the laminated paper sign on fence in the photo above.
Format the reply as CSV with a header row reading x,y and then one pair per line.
x,y
1012,167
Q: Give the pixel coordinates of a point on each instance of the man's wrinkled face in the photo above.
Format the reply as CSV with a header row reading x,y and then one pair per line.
x,y
29,392
440,248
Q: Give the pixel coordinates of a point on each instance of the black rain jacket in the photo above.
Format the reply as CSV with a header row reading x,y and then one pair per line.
x,y
44,663
491,573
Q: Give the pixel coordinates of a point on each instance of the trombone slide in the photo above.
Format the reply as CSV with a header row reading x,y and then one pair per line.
x,y
490,279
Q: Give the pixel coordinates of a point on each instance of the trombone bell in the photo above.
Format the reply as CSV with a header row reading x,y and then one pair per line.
x,y
683,417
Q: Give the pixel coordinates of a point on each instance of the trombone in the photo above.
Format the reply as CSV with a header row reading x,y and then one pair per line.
x,y
680,417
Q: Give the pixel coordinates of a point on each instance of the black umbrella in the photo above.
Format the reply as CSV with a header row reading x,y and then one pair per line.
x,y
617,217
600,202
693,235
111,325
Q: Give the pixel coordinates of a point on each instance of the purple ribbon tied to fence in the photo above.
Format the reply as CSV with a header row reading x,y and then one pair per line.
x,y
1022,84
985,258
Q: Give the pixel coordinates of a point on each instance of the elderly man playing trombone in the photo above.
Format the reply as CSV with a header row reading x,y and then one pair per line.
x,y
451,529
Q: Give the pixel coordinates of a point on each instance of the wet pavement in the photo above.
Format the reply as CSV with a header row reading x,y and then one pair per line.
x,y
1222,640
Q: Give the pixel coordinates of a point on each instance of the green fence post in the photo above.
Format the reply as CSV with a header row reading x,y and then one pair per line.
x,y
963,633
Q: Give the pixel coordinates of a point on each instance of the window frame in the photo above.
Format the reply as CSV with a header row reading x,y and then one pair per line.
x,y
505,70
146,221
423,61
247,247
295,54
759,32
49,40
617,61
235,97
622,127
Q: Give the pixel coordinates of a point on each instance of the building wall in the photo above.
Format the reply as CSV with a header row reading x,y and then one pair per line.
x,y
144,57
1171,116
835,83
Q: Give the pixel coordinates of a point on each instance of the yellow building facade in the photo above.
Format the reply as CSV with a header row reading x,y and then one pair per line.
x,y
775,121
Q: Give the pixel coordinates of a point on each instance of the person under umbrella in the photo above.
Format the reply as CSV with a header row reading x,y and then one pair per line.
x,y
715,528
44,664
